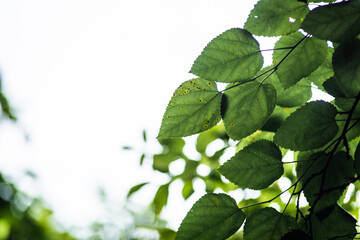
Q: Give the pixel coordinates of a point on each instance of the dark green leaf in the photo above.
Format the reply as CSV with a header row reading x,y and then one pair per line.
x,y
276,119
135,188
325,177
213,216
296,235
346,104
161,197
247,107
232,56
335,22
346,62
276,18
357,160
302,61
268,224
194,107
331,87
257,166
309,127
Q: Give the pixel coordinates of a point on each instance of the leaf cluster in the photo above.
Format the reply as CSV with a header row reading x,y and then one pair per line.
x,y
267,109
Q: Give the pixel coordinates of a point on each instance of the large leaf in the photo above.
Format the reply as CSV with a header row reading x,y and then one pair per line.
x,y
276,18
357,160
213,216
309,127
268,224
346,62
335,22
302,61
232,56
247,107
194,107
257,166
325,177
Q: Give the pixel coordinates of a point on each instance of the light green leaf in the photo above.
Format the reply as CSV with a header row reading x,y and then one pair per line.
x,y
213,216
194,107
346,62
294,96
187,189
247,107
257,166
161,197
302,61
309,127
232,56
275,17
268,224
136,188
335,22
335,173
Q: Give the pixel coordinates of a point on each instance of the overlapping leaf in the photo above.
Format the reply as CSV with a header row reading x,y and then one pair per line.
x,y
247,107
325,177
303,60
256,166
346,62
335,22
274,18
213,216
232,56
268,224
194,107
309,127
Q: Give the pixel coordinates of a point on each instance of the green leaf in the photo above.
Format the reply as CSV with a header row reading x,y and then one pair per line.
x,y
346,62
136,188
194,107
346,104
335,22
309,127
213,216
276,18
331,87
187,190
232,56
294,96
302,61
268,224
161,197
247,107
357,160
332,173
257,166
276,119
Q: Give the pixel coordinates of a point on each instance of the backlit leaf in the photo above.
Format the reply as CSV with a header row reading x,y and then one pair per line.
x,y
346,62
136,188
232,56
257,166
302,61
247,107
213,216
309,127
161,197
335,22
276,18
194,107
268,224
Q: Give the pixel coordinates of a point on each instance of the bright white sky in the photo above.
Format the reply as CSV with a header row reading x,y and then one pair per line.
x,y
85,77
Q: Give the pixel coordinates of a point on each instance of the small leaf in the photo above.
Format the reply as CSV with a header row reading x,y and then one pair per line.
x,y
302,61
268,224
274,18
213,216
346,62
335,22
136,188
335,172
187,190
194,107
257,166
309,127
161,197
247,107
232,56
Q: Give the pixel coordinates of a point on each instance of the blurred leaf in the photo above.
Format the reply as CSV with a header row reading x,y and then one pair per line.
x,y
161,197
187,190
136,188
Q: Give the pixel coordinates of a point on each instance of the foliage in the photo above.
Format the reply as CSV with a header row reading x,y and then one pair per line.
x,y
267,109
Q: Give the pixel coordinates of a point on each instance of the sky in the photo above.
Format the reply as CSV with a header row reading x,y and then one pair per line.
x,y
85,78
